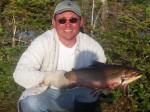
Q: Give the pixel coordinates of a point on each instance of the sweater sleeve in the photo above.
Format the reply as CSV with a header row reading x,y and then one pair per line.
x,y
27,72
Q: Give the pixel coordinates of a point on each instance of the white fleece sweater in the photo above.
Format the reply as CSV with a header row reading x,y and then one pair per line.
x,y
42,56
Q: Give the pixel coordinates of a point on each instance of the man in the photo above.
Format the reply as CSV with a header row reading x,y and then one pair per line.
x,y
42,66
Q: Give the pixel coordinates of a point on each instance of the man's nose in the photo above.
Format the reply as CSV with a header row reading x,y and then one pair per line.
x,y
68,24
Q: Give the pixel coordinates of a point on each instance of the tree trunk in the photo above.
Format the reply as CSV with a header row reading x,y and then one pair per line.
x,y
92,21
14,31
104,14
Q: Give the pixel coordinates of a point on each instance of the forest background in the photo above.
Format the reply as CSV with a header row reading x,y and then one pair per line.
x,y
122,27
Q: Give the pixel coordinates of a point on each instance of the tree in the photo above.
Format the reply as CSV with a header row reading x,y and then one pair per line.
x,y
3,4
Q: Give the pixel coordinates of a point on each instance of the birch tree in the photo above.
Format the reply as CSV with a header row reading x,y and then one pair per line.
x,y
102,14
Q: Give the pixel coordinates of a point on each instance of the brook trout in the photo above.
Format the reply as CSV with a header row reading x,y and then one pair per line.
x,y
99,75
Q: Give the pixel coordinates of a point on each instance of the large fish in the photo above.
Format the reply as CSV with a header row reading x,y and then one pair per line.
x,y
99,75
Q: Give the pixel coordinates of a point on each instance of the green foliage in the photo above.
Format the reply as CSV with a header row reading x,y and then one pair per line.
x,y
29,15
10,91
127,47
126,41
1,29
148,11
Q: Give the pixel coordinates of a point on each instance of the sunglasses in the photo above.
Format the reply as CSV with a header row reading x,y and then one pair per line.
x,y
71,20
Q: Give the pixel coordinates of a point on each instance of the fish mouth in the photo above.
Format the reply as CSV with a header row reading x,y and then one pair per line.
x,y
131,79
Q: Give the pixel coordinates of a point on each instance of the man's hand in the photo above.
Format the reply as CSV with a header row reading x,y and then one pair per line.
x,y
56,78
110,87
113,86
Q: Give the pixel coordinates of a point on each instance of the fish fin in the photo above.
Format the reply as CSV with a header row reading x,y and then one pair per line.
x,y
126,89
74,69
96,64
106,91
95,92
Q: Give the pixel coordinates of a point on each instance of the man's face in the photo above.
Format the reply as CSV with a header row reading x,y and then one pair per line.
x,y
67,25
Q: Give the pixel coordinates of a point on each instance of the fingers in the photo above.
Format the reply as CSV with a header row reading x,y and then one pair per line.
x,y
113,86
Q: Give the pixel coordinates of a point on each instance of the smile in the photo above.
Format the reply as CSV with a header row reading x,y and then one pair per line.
x,y
67,30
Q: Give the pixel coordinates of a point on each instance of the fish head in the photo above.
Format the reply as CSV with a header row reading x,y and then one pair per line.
x,y
130,75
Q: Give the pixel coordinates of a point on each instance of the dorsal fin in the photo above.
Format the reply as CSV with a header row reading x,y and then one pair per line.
x,y
96,64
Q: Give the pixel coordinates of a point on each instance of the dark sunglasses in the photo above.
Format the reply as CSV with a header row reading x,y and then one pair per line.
x,y
63,20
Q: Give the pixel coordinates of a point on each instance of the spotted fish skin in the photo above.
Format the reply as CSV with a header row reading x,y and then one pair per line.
x,y
100,75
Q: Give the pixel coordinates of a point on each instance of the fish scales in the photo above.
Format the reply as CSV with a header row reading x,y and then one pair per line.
x,y
99,75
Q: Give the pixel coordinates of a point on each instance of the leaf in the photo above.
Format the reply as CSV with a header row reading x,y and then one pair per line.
x,y
141,86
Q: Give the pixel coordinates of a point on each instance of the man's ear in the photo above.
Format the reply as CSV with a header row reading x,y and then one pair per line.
x,y
53,22
81,21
